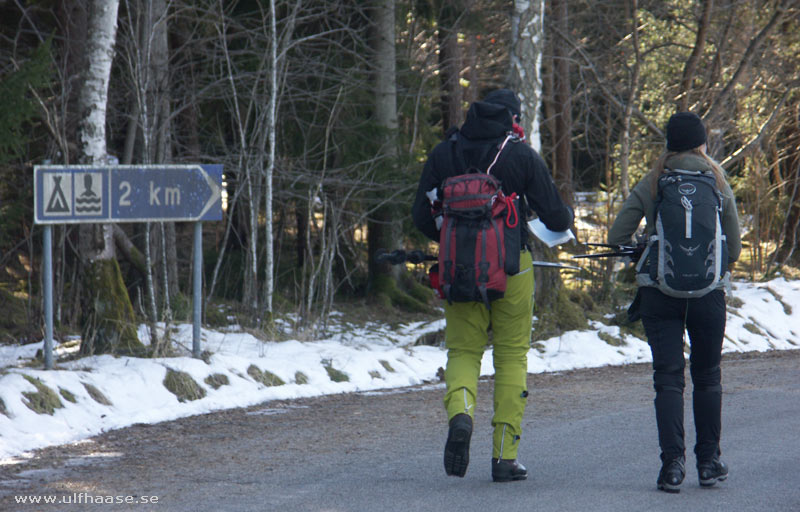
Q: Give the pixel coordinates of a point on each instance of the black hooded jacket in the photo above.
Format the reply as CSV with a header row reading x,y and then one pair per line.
x,y
520,169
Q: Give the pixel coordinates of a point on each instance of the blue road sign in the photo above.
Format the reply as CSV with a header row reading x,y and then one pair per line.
x,y
127,193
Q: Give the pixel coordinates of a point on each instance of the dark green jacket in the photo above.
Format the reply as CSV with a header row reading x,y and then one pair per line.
x,y
641,203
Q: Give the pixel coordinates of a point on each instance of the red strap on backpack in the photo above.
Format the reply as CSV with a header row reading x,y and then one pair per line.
x,y
511,210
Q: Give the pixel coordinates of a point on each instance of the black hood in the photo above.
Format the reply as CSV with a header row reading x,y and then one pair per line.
x,y
486,121
505,97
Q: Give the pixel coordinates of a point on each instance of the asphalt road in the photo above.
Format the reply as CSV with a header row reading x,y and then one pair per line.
x,y
589,444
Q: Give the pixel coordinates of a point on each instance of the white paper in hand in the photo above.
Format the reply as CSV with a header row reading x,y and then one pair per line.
x,y
551,238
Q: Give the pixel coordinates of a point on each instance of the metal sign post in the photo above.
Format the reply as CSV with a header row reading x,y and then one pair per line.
x,y
197,286
82,194
48,297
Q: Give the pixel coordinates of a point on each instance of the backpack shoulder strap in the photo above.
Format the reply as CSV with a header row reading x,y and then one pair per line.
x,y
685,172
458,156
455,151
499,151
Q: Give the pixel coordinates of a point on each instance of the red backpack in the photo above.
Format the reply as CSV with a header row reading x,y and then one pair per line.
x,y
479,239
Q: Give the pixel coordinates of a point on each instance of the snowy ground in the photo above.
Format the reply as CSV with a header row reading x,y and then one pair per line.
x,y
372,357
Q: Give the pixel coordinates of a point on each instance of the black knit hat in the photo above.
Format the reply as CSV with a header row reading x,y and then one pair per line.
x,y
685,131
505,97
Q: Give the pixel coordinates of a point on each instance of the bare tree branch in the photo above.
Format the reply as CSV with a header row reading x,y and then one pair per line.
x,y
607,93
694,58
745,61
765,128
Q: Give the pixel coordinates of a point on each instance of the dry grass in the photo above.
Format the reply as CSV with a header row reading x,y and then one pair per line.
x,y
96,394
68,395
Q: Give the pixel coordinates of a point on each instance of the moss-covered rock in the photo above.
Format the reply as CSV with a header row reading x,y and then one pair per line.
x,y
300,378
44,400
217,380
264,377
614,341
334,374
183,386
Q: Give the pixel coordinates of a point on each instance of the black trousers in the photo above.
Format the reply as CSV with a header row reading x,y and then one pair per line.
x,y
665,319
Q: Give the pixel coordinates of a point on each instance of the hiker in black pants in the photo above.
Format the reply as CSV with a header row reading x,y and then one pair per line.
x,y
665,318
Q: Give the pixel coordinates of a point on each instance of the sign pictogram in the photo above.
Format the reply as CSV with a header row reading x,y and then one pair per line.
x,y
89,193
58,193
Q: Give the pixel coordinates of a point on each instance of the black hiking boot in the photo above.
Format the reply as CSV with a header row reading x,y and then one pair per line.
x,y
711,471
508,470
456,450
671,475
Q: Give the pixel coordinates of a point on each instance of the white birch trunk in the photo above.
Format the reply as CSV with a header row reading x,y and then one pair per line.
x,y
109,322
525,74
92,104
94,93
269,283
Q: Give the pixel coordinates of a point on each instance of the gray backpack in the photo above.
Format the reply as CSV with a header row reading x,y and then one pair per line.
x,y
687,257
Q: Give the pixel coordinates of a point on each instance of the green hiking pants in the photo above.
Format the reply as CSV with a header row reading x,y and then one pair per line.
x,y
466,336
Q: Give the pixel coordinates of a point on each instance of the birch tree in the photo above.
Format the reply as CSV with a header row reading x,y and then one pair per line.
x,y
108,322
272,134
148,141
525,77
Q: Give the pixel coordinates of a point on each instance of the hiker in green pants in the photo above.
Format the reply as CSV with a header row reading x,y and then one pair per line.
x,y
466,336
489,142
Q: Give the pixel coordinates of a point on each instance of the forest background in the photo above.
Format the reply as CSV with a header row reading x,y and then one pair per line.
x,y
322,113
